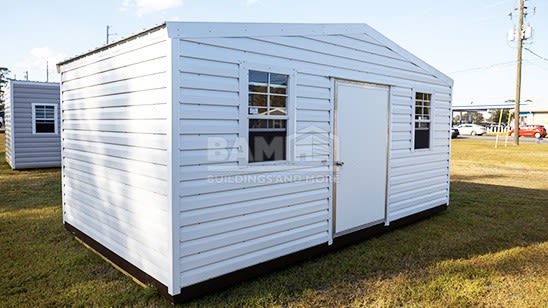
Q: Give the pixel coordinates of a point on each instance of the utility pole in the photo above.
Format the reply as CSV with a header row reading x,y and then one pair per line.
x,y
518,70
47,71
109,34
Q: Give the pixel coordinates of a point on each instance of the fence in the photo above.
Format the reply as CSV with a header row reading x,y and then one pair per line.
x,y
497,129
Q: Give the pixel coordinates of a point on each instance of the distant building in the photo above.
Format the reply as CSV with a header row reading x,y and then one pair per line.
x,y
464,112
535,113
530,112
32,124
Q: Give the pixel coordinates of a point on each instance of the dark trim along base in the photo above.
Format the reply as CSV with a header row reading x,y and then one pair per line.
x,y
227,280
129,268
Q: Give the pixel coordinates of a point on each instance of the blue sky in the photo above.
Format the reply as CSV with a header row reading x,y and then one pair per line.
x,y
465,39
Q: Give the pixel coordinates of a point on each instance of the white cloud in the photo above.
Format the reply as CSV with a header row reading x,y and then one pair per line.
x,y
251,2
143,7
125,5
35,64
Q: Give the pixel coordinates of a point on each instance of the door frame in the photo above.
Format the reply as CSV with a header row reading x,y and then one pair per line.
x,y
335,151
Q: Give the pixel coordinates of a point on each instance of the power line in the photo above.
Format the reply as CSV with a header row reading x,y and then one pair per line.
x,y
538,64
482,68
536,54
487,67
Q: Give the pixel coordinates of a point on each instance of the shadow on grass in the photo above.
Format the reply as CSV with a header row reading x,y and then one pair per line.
x,y
43,265
28,189
481,219
471,178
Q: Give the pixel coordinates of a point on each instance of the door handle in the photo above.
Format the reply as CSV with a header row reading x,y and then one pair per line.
x,y
339,163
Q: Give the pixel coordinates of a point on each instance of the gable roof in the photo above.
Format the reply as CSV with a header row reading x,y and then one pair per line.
x,y
184,30
33,82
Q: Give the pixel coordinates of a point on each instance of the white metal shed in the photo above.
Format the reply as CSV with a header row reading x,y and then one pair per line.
x,y
195,154
32,124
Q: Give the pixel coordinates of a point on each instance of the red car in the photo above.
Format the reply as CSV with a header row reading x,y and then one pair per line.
x,y
537,131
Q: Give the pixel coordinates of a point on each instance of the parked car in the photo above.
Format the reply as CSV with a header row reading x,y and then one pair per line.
x,y
454,132
537,131
488,124
471,129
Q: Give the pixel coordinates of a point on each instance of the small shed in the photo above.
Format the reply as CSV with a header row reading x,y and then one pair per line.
x,y
198,154
535,113
32,121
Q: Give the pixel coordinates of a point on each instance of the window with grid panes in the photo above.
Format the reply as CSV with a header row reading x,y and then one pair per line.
x,y
422,120
44,119
267,112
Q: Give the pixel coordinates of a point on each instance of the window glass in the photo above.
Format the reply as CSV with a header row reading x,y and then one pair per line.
x,y
258,104
278,83
258,82
257,123
267,145
278,101
256,77
422,120
44,119
267,104
278,80
260,123
277,105
257,88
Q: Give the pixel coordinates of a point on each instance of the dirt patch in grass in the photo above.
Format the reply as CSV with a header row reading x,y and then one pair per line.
x,y
490,248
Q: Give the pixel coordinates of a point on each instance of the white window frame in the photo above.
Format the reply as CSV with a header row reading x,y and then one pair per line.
x,y
55,118
245,67
431,121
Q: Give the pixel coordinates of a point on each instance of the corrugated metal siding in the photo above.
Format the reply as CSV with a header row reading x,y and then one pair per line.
x,y
117,146
115,150
33,150
418,179
234,220
8,125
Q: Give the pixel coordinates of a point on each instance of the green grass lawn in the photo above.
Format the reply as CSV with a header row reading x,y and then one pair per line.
x,y
490,248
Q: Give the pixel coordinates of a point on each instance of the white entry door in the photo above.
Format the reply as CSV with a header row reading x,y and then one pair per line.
x,y
361,130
